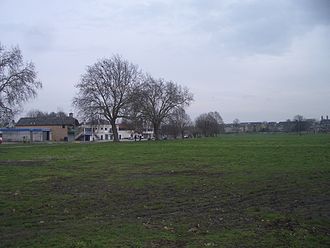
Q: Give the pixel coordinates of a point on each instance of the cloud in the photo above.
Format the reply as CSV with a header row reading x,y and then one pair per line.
x,y
38,39
229,28
258,27
249,59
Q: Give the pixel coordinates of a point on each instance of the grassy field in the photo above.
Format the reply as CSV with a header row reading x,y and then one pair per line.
x,y
231,191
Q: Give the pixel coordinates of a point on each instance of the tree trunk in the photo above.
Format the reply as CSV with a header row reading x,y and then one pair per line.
x,y
156,131
114,131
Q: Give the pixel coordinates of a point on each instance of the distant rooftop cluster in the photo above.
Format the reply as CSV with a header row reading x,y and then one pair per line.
x,y
305,125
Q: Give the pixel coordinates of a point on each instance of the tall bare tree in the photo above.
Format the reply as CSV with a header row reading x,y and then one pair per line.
x,y
106,89
159,98
18,82
209,124
179,121
299,124
236,124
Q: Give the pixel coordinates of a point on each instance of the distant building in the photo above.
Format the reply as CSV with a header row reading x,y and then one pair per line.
x,y
95,130
61,128
250,127
324,124
101,130
25,134
307,125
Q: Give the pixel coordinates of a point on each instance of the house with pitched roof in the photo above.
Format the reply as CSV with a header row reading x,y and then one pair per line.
x,y
62,128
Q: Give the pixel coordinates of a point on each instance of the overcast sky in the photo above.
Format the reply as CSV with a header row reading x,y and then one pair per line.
x,y
255,60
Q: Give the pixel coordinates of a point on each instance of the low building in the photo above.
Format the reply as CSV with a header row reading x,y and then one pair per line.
x,y
25,134
62,128
101,130
96,130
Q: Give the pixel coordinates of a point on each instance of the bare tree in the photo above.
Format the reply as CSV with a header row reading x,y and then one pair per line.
x,y
299,124
179,121
36,113
298,118
236,123
209,124
39,113
18,82
159,98
106,88
218,119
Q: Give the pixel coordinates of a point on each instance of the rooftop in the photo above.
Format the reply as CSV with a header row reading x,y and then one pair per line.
x,y
47,121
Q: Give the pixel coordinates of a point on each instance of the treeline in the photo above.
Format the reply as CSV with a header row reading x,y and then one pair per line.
x,y
179,125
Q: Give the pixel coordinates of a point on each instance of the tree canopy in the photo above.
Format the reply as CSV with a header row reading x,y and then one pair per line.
x,y
159,98
18,82
116,88
209,124
177,123
106,89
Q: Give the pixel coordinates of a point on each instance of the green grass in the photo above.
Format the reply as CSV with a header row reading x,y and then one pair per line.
x,y
231,191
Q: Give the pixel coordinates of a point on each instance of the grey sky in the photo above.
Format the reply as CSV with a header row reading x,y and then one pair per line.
x,y
256,60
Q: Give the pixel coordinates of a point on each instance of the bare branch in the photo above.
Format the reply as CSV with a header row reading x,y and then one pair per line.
x,y
106,89
158,98
18,82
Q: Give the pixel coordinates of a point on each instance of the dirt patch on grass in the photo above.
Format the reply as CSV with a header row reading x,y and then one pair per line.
x,y
167,243
184,212
23,162
152,205
216,205
189,173
285,223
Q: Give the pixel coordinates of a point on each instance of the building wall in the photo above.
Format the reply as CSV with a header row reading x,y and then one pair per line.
x,y
125,134
103,131
58,133
16,136
13,135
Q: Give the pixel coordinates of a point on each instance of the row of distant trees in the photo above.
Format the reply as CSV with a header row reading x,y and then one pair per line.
x,y
180,125
42,114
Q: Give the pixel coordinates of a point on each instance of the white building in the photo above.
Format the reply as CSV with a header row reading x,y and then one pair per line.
x,y
101,130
